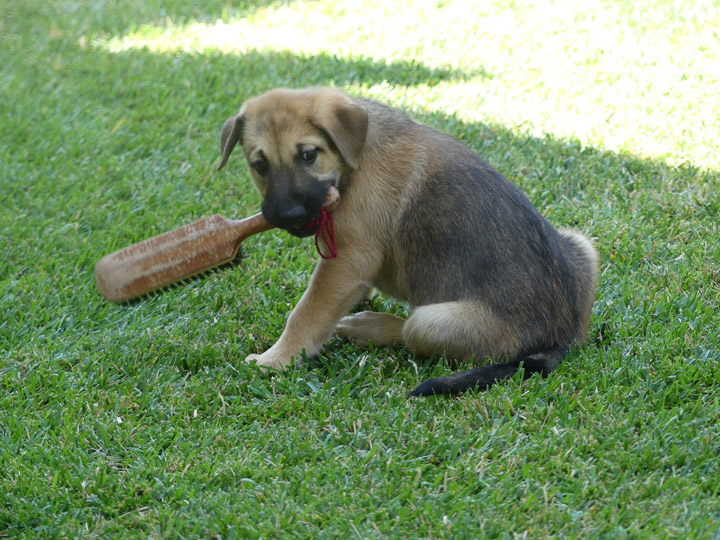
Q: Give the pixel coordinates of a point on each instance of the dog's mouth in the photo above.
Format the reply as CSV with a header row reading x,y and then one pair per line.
x,y
300,226
321,226
301,217
304,231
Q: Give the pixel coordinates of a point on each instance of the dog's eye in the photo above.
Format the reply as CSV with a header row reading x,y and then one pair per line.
x,y
261,166
309,156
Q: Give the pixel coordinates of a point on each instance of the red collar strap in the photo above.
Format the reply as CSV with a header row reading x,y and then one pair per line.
x,y
326,231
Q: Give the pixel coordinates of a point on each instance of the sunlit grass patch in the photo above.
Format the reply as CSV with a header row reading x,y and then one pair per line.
x,y
610,74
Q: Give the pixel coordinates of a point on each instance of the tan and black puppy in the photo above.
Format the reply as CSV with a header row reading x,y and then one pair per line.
x,y
423,219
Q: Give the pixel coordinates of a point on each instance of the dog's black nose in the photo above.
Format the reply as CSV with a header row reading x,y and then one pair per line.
x,y
287,214
293,213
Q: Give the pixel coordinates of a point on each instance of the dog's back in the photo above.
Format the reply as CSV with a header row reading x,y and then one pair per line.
x,y
467,235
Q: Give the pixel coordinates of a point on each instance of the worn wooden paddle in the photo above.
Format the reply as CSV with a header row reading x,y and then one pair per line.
x,y
179,254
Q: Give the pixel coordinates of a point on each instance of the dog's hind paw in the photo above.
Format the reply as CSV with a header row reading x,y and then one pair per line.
x,y
367,326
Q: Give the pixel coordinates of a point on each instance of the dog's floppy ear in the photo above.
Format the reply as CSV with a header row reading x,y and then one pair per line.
x,y
346,123
231,135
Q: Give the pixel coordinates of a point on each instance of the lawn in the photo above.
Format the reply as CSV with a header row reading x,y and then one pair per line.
x,y
141,420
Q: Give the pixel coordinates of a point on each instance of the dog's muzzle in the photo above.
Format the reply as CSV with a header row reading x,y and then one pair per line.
x,y
296,217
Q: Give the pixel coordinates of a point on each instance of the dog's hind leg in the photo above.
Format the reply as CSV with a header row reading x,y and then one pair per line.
x,y
468,329
460,330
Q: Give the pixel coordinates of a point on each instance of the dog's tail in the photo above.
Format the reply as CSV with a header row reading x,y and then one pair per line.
x,y
482,378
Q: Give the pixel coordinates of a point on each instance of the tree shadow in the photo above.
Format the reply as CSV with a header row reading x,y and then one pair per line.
x,y
158,113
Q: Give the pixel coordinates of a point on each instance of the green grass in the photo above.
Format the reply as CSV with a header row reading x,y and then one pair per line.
x,y
141,421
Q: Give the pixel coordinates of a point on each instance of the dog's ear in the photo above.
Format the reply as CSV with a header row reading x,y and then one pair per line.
x,y
346,123
231,135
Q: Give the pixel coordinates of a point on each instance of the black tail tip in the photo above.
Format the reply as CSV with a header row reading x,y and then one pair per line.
x,y
432,387
483,377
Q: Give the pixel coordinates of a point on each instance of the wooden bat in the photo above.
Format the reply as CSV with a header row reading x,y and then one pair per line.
x,y
179,254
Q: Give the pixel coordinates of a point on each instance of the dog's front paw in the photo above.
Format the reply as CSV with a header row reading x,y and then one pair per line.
x,y
267,360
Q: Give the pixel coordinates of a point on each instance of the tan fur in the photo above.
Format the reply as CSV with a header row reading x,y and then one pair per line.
x,y
386,167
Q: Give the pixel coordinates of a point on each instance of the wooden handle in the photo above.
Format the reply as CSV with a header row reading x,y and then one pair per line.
x,y
173,256
179,254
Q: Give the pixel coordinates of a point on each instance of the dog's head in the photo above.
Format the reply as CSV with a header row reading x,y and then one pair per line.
x,y
297,143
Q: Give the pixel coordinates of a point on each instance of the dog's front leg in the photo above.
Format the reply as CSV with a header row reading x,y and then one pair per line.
x,y
335,287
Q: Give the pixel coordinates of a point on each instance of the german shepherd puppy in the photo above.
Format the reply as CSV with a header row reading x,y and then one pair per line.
x,y
423,219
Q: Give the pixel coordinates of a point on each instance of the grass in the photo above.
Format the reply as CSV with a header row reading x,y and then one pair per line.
x,y
141,421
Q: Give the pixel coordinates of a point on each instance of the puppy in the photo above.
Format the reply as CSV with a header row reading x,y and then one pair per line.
x,y
423,219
